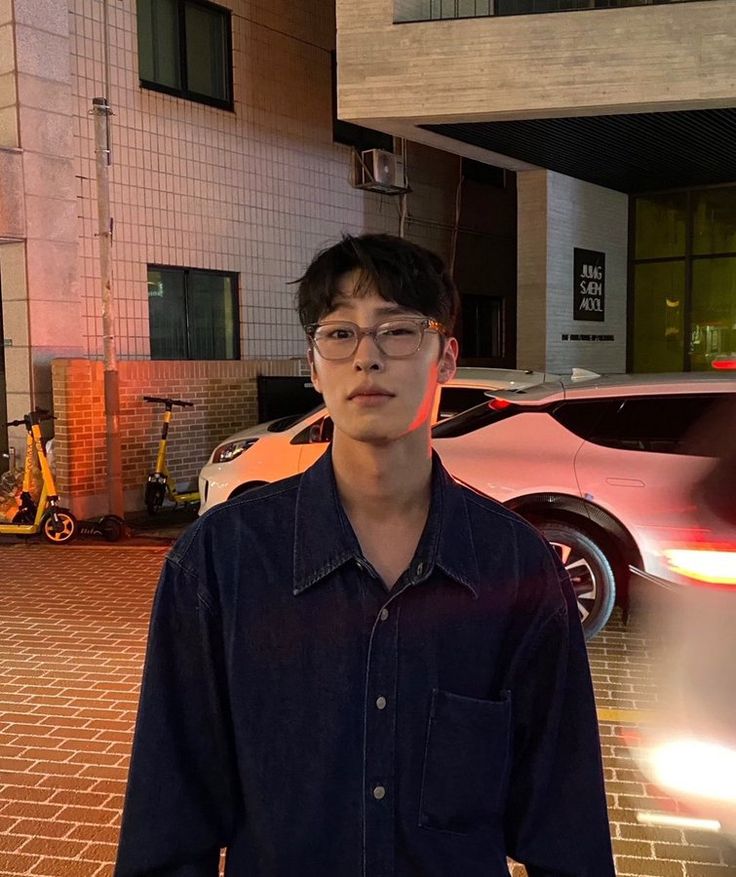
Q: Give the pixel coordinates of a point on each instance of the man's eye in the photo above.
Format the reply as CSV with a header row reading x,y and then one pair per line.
x,y
398,331
340,333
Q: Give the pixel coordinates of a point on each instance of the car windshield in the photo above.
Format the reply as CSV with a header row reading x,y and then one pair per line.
x,y
284,423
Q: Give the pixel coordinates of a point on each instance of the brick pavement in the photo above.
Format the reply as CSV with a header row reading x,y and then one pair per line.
x,y
72,637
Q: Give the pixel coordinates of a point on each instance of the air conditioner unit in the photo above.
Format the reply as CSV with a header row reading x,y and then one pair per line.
x,y
382,171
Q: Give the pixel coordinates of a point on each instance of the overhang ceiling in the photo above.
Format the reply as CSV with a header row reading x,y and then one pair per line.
x,y
638,152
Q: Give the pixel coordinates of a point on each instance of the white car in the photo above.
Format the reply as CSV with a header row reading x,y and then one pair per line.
x,y
606,468
289,445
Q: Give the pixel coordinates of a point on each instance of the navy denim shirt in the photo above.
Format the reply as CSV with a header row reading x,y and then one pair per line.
x,y
316,724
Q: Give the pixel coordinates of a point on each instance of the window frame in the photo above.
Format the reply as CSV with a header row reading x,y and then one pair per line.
x,y
186,271
184,92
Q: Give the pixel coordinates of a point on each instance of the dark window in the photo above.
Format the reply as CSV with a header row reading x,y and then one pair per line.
x,y
355,135
184,48
582,418
479,172
319,432
657,424
193,314
453,400
482,326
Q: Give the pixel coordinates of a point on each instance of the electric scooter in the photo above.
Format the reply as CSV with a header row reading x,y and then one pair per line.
x,y
56,524
160,483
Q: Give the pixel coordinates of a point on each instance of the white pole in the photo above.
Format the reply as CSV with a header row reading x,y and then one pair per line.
x,y
101,111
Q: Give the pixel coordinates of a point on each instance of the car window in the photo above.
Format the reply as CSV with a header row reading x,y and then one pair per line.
x,y
657,424
284,423
316,433
583,417
453,400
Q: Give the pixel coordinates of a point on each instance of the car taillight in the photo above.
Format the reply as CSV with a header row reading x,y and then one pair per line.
x,y
499,404
706,562
724,363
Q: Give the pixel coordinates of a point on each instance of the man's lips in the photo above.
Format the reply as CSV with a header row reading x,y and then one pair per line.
x,y
367,392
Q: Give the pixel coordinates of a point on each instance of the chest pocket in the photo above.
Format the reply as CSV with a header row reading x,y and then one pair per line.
x,y
466,762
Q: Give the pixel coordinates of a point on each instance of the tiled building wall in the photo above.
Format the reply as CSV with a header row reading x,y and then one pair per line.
x,y
592,218
225,400
556,214
255,191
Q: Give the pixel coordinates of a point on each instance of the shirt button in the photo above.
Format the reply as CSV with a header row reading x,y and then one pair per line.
x,y
381,703
379,792
384,614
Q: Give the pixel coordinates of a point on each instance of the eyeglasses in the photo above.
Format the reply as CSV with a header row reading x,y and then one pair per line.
x,y
394,338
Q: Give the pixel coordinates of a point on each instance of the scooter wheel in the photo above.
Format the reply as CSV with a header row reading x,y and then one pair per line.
x,y
154,497
64,529
112,528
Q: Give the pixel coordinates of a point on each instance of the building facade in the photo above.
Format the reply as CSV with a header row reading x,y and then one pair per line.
x,y
226,176
619,117
575,169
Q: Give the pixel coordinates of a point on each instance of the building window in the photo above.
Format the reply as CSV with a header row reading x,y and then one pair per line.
x,y
683,276
193,314
184,48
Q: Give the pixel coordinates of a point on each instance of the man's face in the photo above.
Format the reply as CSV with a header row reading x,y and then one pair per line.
x,y
372,397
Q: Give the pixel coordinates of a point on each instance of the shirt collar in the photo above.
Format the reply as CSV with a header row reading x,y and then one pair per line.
x,y
325,541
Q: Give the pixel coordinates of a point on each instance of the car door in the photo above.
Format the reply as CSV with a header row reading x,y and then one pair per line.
x,y
636,463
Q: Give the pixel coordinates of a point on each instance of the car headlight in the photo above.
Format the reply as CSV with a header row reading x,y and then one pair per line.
x,y
230,450
696,767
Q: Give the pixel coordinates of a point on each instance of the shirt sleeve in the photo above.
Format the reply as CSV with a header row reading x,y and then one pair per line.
x,y
556,821
182,786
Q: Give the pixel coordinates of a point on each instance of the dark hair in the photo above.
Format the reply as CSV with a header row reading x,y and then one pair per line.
x,y
397,269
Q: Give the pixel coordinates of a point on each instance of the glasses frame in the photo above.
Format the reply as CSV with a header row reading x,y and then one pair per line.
x,y
426,324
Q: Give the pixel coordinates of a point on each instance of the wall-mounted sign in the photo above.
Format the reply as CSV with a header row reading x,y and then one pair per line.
x,y
589,293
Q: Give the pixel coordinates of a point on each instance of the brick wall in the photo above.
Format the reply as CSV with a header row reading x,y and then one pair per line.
x,y
225,400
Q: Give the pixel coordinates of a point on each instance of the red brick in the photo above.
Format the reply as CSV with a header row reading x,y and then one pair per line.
x,y
46,846
43,828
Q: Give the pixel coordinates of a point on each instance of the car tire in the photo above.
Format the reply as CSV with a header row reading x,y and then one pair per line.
x,y
590,571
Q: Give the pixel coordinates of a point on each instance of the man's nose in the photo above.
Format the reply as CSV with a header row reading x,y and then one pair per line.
x,y
367,356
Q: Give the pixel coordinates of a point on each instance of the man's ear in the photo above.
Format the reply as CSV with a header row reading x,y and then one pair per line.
x,y
313,369
448,360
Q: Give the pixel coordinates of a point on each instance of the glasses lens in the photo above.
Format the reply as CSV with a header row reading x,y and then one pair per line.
x,y
336,340
399,337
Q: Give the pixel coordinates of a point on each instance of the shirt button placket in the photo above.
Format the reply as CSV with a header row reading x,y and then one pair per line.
x,y
380,743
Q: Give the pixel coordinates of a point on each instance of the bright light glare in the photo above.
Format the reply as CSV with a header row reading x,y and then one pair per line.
x,y
704,565
695,767
678,821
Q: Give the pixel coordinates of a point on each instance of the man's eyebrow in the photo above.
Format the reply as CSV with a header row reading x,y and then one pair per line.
x,y
387,311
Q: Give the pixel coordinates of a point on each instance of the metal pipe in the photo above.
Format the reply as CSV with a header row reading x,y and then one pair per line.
x,y
101,111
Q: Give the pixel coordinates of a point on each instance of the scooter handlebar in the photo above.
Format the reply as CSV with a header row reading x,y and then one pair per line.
x,y
161,401
41,414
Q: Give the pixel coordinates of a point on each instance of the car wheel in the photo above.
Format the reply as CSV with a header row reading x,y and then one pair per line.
x,y
590,572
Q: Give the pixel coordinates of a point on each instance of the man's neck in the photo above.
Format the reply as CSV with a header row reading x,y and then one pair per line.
x,y
376,482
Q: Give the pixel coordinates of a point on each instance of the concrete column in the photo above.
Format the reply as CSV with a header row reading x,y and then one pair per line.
x,y
45,279
556,214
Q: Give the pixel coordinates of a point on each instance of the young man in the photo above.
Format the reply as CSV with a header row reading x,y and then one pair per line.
x,y
367,670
